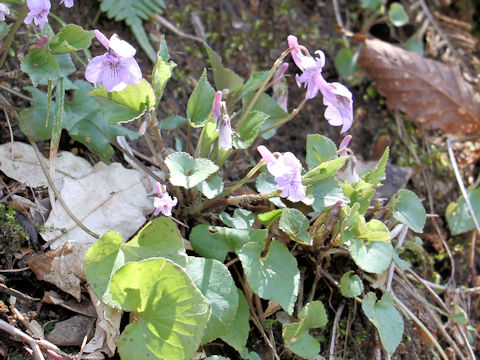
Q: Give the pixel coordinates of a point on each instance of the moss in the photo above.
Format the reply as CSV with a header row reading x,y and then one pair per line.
x,y
12,233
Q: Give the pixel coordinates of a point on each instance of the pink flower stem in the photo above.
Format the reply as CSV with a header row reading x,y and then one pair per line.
x,y
262,87
287,119
21,16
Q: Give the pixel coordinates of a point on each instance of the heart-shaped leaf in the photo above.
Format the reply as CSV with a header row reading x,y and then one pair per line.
x,y
275,276
215,282
171,313
371,256
296,225
408,209
351,286
241,219
71,38
187,171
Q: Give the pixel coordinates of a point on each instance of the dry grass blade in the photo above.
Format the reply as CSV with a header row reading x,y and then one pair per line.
x,y
428,91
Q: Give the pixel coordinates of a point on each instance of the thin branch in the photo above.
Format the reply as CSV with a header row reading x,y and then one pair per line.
x,y
176,30
338,314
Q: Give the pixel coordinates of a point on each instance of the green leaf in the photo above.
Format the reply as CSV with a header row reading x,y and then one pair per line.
x,y
360,193
319,149
269,106
162,70
172,122
200,102
241,219
216,241
402,264
351,286
215,282
171,313
386,319
237,334
397,15
408,209
253,83
133,12
186,171
32,121
70,39
324,170
377,174
159,238
209,136
370,4
346,62
296,336
265,183
275,276
85,123
249,355
326,192
40,66
268,218
372,256
415,43
458,217
374,230
125,105
248,132
101,261
211,187
295,225
224,78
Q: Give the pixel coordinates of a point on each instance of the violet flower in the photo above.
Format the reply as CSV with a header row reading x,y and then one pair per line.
x,y
38,13
336,96
216,112
116,68
164,202
4,10
225,132
67,3
286,170
343,144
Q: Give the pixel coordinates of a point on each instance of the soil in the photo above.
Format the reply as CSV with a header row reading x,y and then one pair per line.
x,y
249,35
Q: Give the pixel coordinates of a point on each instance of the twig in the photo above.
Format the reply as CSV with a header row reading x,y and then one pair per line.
x,y
471,263
37,353
427,332
401,239
59,197
461,185
176,30
16,293
334,330
14,270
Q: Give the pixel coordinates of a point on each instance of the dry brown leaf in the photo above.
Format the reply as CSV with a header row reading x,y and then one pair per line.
x,y
428,91
62,267
84,308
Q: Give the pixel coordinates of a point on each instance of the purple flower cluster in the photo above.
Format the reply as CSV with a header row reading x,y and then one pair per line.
x,y
164,202
116,68
39,10
286,170
336,96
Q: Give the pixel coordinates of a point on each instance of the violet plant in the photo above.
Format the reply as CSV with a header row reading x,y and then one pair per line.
x,y
323,210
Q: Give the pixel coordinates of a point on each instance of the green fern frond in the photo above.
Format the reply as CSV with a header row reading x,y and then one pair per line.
x,y
133,12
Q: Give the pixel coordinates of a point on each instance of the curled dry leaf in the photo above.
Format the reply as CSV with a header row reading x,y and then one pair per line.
x,y
428,91
62,267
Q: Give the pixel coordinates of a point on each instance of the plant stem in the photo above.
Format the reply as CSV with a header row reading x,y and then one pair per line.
x,y
290,117
195,210
261,89
21,16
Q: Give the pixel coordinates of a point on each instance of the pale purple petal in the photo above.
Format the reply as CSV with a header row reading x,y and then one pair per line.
x,y
301,60
4,10
160,190
67,3
339,110
266,154
129,72
164,205
225,134
102,38
93,72
344,144
216,105
121,47
111,81
38,13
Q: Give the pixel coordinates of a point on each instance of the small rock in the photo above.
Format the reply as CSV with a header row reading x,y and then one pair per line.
x,y
70,332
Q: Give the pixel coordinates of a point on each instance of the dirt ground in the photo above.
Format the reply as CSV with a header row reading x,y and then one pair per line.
x,y
249,35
